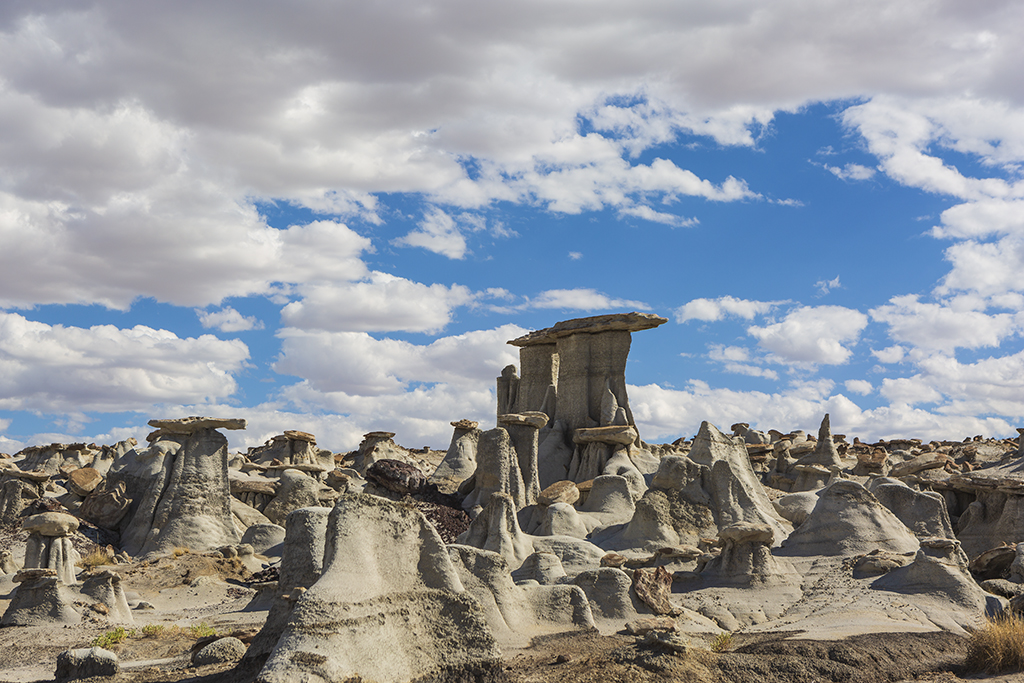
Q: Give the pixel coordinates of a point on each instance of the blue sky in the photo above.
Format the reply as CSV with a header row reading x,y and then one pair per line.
x,y
332,219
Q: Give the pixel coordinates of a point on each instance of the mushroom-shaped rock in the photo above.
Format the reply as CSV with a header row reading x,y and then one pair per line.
x,y
194,510
746,558
41,599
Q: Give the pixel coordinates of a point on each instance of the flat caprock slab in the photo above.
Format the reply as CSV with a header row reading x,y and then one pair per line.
x,y
625,322
190,425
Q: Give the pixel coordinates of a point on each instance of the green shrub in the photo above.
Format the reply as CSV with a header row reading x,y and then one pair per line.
x,y
202,630
112,637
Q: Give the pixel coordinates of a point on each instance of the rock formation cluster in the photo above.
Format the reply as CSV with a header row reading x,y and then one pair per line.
x,y
388,564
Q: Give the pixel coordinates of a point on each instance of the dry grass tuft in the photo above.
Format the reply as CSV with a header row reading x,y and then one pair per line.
x,y
998,645
97,558
721,642
179,551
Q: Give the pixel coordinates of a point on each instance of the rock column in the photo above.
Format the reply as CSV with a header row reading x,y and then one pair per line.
x,y
49,545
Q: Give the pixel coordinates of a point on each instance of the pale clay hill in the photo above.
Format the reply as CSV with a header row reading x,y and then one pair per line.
x,y
388,564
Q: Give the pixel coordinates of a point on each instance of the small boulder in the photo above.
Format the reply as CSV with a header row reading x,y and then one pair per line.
x,y
641,627
653,587
222,650
397,476
86,662
84,480
559,492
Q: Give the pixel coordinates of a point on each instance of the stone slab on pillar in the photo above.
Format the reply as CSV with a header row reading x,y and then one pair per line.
x,y
591,355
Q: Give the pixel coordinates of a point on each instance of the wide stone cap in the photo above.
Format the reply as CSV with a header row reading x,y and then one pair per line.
x,y
190,425
299,436
624,322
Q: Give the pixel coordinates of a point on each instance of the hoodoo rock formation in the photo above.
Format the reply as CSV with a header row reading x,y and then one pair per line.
x,y
391,564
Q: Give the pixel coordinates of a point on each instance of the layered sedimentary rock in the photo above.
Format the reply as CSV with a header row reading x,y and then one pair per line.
x,y
583,360
387,578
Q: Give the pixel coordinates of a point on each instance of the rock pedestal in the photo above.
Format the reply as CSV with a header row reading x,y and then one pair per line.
x,y
49,546
193,510
583,361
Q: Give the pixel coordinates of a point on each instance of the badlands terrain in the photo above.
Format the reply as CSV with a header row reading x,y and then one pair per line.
x,y
556,545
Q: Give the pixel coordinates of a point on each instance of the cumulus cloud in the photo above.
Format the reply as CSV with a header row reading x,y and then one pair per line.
x,y
942,327
663,413
380,303
437,232
57,369
890,354
812,335
228,320
858,386
360,365
711,310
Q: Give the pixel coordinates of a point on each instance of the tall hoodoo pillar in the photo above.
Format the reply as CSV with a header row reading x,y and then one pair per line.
x,y
584,362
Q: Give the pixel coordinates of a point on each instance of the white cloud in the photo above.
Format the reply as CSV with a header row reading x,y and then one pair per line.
x,y
360,365
57,369
715,309
851,172
386,384
812,334
575,255
669,413
980,219
581,299
826,286
736,359
890,354
858,386
909,390
941,326
228,320
438,232
380,303
649,214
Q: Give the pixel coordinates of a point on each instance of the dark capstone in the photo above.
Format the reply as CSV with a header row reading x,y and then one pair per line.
x,y
397,476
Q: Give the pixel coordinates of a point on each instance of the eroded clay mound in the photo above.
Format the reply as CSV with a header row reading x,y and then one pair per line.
x,y
387,579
